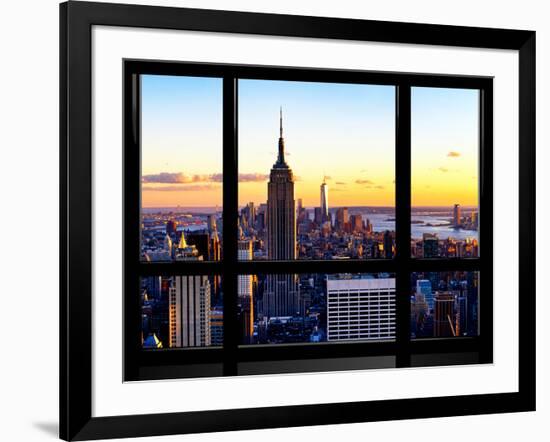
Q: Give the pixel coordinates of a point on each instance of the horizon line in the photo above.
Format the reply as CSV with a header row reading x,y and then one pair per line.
x,y
468,206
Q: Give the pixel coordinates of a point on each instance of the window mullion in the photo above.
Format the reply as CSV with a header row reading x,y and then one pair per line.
x,y
230,210
403,221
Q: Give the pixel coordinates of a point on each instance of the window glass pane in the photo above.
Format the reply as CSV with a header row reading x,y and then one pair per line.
x,y
181,168
445,159
317,307
444,304
181,311
316,170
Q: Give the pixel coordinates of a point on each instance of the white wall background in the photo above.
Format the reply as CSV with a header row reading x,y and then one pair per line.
x,y
29,209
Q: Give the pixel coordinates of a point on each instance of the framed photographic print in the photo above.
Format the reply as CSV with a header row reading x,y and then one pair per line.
x,y
287,220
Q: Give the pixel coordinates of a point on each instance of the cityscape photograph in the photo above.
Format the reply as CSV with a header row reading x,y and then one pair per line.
x,y
316,182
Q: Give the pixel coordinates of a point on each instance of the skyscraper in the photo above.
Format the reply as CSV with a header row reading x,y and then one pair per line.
x,y
281,215
444,321
360,307
324,201
171,227
189,312
281,296
388,245
356,222
318,216
457,217
244,292
216,327
431,245
201,240
342,218
189,303
212,223
424,287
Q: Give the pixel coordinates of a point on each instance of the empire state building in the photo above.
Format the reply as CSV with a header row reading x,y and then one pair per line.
x,y
281,295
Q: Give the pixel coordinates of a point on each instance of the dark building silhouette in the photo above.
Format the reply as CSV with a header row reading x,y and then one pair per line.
x,y
431,245
202,242
171,227
388,245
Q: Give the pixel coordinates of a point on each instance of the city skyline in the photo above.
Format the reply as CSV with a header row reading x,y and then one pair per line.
x,y
187,311
319,149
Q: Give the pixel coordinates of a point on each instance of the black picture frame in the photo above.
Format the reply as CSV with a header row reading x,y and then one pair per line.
x,y
76,21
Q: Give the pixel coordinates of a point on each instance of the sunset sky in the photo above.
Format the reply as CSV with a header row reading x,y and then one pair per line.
x,y
343,132
444,146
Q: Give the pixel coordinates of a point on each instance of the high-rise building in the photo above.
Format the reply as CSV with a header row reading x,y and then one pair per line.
x,y
216,327
248,216
189,312
281,295
324,201
388,244
244,291
215,247
430,245
168,244
318,216
212,223
457,217
419,314
472,303
461,327
299,206
368,226
201,240
424,287
444,321
189,303
261,216
342,218
153,286
171,227
187,252
356,222
360,307
474,219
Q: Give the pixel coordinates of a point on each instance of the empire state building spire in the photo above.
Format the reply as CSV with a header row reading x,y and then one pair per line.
x,y
281,163
281,122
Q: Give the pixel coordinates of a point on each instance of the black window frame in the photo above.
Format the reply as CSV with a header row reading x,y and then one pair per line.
x,y
231,360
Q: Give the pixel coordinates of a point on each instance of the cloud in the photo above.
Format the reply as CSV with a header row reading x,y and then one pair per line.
x,y
361,181
182,178
443,169
174,178
180,188
453,154
340,183
252,177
